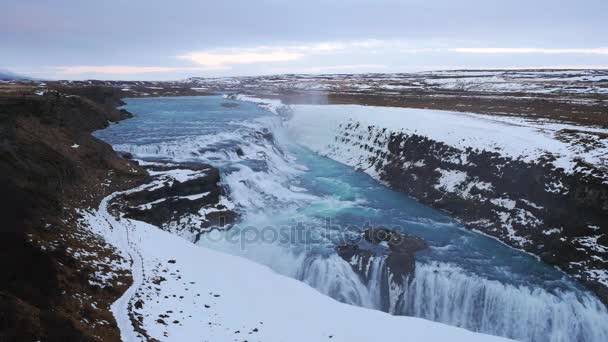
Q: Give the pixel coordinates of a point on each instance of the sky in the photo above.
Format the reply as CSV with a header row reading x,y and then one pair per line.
x,y
170,40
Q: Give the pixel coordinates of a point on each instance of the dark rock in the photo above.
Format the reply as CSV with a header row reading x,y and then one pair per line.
x,y
230,104
158,280
126,155
174,204
399,254
397,242
392,252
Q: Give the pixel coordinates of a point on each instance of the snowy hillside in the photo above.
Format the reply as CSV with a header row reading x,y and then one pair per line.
x,y
183,292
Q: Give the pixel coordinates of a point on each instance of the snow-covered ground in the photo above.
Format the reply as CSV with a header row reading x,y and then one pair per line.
x,y
183,292
538,82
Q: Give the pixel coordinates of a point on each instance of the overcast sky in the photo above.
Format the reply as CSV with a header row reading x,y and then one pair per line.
x,y
159,40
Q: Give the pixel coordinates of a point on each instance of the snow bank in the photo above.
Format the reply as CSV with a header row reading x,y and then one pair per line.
x,y
269,104
316,126
183,292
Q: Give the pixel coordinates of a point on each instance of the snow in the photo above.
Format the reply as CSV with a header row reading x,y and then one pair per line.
x,y
195,197
504,202
219,297
599,275
450,180
569,85
532,204
552,231
484,186
591,243
179,175
269,104
149,205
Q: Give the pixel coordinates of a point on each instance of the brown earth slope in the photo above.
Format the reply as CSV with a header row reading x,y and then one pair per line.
x,y
47,158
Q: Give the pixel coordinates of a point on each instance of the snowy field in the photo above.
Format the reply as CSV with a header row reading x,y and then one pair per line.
x,y
539,82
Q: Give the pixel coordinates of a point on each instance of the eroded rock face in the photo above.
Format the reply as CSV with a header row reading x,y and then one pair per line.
x,y
397,251
184,198
535,206
385,258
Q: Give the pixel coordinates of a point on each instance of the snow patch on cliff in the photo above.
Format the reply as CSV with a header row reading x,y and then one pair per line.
x,y
450,180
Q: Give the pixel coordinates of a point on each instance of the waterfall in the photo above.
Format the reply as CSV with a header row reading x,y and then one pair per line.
x,y
445,293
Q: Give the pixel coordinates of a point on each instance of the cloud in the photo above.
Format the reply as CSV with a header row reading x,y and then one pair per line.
x,y
348,56
590,51
124,69
213,59
420,50
273,54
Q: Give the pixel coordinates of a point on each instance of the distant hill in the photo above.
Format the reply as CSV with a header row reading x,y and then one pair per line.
x,y
6,75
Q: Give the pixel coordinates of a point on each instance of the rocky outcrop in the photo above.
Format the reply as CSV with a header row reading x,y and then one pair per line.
x,y
533,206
396,249
386,256
184,198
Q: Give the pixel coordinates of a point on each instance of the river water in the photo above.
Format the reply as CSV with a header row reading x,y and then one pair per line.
x,y
297,205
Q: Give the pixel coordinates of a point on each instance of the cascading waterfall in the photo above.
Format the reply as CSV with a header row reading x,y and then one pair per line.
x,y
445,293
335,278
270,185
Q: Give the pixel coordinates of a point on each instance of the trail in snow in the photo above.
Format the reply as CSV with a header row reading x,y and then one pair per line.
x,y
117,234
